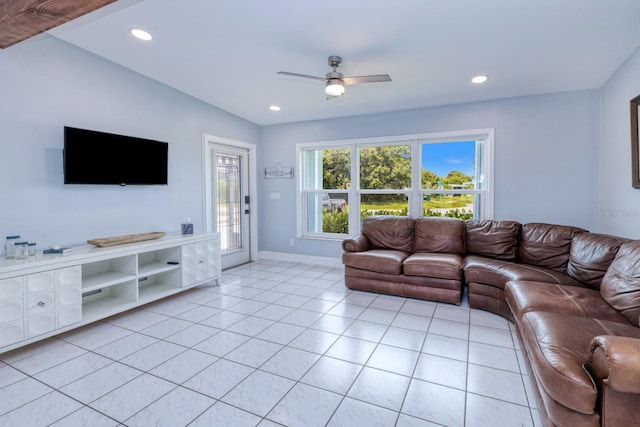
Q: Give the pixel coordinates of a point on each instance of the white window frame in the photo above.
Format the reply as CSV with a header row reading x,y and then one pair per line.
x,y
415,194
301,205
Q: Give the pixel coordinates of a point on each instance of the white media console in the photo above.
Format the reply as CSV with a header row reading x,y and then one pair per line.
x,y
45,295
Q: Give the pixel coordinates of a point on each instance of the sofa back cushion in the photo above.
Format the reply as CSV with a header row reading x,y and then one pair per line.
x,y
493,239
591,255
547,245
621,284
439,235
389,232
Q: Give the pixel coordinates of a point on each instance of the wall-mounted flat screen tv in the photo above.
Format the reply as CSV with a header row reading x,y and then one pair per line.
x,y
92,157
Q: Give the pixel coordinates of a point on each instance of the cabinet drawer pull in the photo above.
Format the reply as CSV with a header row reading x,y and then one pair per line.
x,y
41,304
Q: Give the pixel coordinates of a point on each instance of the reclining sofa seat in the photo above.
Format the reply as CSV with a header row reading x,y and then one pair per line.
x,y
420,258
583,344
500,251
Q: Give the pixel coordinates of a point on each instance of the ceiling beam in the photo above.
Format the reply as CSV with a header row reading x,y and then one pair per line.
x,y
22,19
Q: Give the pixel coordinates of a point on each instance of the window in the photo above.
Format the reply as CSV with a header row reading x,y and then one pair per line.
x,y
326,180
420,175
385,179
452,178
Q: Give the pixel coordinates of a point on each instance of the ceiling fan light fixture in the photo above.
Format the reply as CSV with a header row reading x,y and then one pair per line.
x,y
334,87
334,81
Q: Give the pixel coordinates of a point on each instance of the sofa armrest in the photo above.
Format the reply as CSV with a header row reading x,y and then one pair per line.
x,y
613,360
359,243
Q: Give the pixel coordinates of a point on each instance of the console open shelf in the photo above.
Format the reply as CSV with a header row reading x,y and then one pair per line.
x,y
104,280
150,293
159,283
152,268
104,301
108,272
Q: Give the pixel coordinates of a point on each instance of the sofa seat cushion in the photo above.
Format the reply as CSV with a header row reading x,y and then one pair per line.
x,y
443,266
523,296
378,260
497,273
557,345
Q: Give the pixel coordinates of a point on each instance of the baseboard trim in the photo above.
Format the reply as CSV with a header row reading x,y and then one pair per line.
x,y
302,259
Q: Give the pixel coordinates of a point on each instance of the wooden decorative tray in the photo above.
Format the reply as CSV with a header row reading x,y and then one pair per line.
x,y
129,238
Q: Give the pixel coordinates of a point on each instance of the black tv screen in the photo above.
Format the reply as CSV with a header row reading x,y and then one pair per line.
x,y
92,157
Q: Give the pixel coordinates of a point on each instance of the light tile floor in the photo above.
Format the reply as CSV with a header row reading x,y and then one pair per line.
x,y
275,344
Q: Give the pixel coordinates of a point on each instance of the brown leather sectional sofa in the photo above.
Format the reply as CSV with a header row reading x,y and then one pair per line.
x,y
573,295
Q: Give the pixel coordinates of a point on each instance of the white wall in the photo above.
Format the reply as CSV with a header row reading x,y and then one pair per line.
x,y
46,84
546,162
619,201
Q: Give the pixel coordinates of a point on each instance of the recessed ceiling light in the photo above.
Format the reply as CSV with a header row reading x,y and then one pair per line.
x,y
274,108
479,79
141,34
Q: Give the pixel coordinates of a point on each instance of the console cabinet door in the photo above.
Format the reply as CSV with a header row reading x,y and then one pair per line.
x,y
11,333
70,276
40,282
11,310
11,300
199,262
11,288
68,296
40,303
68,306
39,325
189,264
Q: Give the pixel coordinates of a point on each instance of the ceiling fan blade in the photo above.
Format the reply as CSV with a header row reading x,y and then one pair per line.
x,y
301,75
366,79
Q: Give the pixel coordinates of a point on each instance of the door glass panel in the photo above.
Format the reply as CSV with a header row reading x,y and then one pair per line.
x,y
228,203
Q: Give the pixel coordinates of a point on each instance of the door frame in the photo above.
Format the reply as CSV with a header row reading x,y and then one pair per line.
x,y
209,213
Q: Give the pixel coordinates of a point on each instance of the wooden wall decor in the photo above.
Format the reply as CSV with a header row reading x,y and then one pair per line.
x,y
22,19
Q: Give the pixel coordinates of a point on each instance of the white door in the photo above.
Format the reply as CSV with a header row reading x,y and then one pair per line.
x,y
231,202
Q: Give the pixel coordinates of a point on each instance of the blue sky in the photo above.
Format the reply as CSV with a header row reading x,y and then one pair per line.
x,y
442,158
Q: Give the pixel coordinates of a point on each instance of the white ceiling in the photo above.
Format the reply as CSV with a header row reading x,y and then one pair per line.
x,y
227,53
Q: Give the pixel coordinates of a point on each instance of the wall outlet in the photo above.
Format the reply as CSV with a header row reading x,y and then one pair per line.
x,y
292,242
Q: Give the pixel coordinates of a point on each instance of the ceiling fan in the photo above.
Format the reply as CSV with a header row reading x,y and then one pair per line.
x,y
335,80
